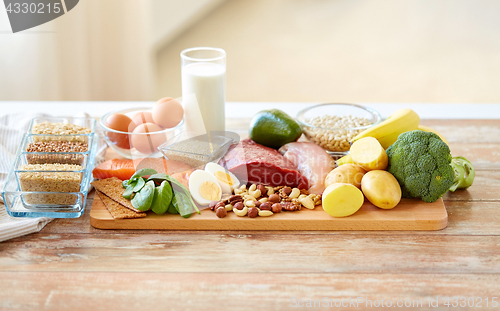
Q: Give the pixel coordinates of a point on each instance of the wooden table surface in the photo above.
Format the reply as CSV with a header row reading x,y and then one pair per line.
x,y
70,265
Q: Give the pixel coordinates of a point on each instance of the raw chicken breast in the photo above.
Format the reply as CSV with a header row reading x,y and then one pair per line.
x,y
312,161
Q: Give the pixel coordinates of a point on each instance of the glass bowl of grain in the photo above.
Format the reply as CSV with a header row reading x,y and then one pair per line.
x,y
333,125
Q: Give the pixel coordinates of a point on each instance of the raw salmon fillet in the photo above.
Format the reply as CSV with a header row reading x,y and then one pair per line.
x,y
125,168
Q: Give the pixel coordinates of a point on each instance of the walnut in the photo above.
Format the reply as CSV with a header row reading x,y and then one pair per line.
x,y
290,206
304,191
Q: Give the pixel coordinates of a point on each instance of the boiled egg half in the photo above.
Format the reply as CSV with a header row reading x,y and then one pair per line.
x,y
204,187
227,181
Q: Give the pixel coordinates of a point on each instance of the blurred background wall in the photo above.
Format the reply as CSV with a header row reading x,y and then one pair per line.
x,y
278,50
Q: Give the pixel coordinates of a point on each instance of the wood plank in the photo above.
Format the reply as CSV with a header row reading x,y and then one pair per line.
x,y
246,253
409,215
485,188
467,131
235,291
482,156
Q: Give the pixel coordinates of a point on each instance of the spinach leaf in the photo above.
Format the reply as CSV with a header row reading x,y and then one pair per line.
x,y
183,189
182,204
162,199
143,172
159,176
129,190
171,208
143,199
138,186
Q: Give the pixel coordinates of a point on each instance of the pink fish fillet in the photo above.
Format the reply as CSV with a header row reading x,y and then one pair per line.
x,y
312,161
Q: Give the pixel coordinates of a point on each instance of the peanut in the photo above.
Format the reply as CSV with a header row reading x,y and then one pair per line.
x,y
265,213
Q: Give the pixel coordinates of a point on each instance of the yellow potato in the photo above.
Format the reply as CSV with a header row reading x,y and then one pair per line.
x,y
381,189
347,173
344,160
369,154
341,200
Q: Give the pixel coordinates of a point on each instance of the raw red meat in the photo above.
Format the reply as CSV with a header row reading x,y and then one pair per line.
x,y
254,163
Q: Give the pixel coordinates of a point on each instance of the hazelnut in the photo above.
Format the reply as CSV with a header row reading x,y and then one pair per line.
x,y
219,204
262,189
253,212
257,203
287,190
239,206
265,206
276,208
274,198
212,205
221,212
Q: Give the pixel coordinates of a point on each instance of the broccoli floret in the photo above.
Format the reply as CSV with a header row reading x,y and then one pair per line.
x,y
421,162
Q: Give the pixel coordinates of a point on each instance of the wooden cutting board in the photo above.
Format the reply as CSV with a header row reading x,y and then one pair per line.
x,y
410,214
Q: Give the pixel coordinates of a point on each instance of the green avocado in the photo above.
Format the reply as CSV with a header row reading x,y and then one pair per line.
x,y
274,128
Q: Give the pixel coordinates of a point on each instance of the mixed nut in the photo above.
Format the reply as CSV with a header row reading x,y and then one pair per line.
x,y
260,200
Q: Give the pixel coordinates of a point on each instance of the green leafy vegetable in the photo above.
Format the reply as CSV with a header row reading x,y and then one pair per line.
x,y
144,198
181,203
138,186
143,172
172,208
162,198
169,196
127,194
159,176
185,191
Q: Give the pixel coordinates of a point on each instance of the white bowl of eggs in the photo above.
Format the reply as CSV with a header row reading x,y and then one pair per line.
x,y
138,132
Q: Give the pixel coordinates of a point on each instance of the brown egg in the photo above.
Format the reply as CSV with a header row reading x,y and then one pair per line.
x,y
168,114
147,143
162,100
119,122
140,118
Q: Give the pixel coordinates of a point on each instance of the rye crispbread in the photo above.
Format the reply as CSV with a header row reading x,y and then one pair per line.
x,y
117,210
112,187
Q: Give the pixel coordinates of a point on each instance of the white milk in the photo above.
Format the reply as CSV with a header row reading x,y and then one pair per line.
x,y
207,82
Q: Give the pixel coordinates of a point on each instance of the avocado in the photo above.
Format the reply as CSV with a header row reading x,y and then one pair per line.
x,y
274,128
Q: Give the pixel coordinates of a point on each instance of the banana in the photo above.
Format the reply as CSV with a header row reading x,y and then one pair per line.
x,y
344,160
387,131
428,129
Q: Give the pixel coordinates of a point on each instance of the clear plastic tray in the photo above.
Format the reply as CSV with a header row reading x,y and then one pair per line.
x,y
25,191
197,151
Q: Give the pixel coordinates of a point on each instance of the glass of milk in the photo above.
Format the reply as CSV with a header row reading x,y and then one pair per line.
x,y
204,88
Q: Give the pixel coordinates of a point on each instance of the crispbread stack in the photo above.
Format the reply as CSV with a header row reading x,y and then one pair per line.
x,y
117,210
110,190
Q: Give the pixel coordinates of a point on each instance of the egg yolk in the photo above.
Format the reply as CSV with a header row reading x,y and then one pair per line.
x,y
224,178
210,191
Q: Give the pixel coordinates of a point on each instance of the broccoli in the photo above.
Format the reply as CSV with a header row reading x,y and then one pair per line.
x,y
464,173
421,162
